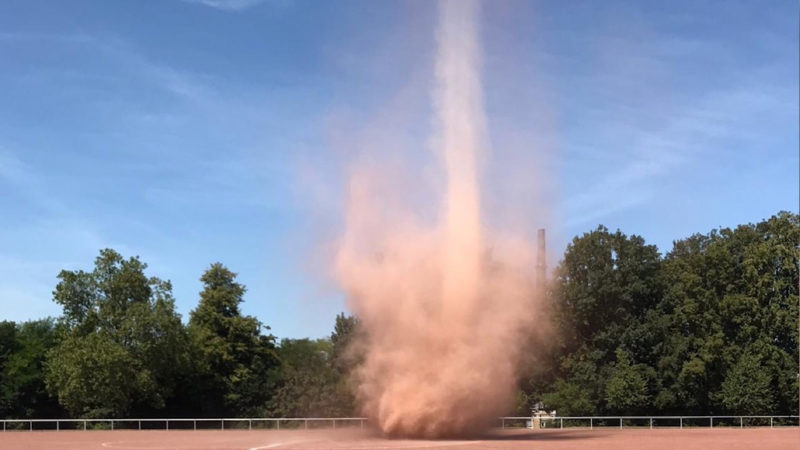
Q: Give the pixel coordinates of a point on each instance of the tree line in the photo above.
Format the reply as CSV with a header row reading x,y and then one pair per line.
x,y
711,327
121,350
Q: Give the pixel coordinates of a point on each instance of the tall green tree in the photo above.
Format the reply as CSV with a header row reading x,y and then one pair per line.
x,y
729,290
569,399
346,351
317,375
309,385
709,329
23,393
605,287
626,391
123,345
747,389
605,282
8,346
238,363
8,341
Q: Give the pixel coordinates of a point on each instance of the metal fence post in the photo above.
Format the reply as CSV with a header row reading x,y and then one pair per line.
x,y
84,425
58,425
651,423
770,422
112,424
279,423
305,423
620,423
140,425
249,424
681,419
741,422
167,425
503,426
562,424
194,425
712,421
31,425
591,423
222,424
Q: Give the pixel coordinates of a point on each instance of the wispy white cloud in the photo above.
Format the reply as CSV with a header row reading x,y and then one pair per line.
x,y
207,140
36,248
233,5
644,121
693,135
12,169
18,178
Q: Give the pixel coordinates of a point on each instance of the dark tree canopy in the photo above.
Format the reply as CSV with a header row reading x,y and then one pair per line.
x,y
708,328
310,385
122,345
711,328
23,348
237,363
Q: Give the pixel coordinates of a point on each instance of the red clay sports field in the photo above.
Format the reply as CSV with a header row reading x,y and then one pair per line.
x,y
644,439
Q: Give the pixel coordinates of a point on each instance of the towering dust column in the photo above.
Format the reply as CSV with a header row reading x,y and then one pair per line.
x,y
541,260
462,122
445,305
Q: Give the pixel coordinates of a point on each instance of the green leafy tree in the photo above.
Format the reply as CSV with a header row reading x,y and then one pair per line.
x,y
605,287
23,392
666,336
606,282
309,385
747,389
316,374
728,290
8,341
8,346
238,364
346,351
569,399
626,391
96,376
123,344
710,328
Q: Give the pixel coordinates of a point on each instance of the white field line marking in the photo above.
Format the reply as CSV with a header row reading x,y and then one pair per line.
x,y
373,447
422,445
126,445
275,445
119,444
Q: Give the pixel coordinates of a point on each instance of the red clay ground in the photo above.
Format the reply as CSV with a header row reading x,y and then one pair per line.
x,y
700,439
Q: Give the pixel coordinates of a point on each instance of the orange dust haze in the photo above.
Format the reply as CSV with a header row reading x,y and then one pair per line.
x,y
445,304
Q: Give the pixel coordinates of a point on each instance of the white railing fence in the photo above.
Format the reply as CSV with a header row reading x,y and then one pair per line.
x,y
182,424
651,422
590,422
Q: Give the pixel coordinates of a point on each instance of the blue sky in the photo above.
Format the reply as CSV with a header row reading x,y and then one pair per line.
x,y
186,132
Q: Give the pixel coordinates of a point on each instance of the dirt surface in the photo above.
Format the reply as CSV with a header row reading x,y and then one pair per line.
x,y
701,439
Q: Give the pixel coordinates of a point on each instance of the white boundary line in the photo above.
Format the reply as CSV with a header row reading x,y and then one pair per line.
x,y
425,444
122,445
367,445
